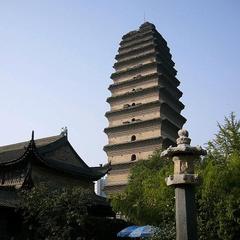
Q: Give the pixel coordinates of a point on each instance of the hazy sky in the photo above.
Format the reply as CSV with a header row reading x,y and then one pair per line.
x,y
56,59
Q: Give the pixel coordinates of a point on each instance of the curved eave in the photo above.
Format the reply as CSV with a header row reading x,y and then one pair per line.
x,y
96,172
177,116
67,168
14,153
35,154
103,169
21,160
72,170
122,166
83,168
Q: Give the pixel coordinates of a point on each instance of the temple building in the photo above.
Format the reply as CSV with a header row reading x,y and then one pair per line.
x,y
52,161
145,110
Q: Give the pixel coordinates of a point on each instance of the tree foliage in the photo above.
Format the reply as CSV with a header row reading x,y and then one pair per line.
x,y
226,141
63,214
57,214
219,194
147,199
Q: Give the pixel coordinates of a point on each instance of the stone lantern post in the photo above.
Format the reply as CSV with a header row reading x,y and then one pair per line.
x,y
183,181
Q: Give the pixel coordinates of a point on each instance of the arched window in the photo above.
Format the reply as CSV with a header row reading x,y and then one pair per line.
x,y
133,138
133,119
133,104
133,89
133,157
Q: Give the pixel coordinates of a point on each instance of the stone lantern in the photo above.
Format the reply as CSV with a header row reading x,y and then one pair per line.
x,y
183,180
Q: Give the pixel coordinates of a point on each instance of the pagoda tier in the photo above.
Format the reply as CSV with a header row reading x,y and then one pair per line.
x,y
146,78
123,117
145,110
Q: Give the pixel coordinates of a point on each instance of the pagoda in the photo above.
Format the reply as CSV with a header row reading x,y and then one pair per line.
x,y
145,110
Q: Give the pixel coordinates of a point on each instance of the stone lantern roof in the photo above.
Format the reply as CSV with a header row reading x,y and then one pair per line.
x,y
183,156
183,147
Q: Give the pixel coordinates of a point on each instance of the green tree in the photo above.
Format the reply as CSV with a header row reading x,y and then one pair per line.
x,y
147,199
226,141
57,214
219,194
63,214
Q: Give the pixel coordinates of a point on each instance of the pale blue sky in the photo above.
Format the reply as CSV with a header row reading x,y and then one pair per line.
x,y
56,58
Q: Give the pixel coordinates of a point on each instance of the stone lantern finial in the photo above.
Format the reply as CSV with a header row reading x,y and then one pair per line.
x,y
183,137
183,147
183,156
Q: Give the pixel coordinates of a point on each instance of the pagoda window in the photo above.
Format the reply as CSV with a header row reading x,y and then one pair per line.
x,y
133,157
133,138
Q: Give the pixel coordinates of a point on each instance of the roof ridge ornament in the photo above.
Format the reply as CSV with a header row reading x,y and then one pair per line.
x,y
64,131
32,138
31,144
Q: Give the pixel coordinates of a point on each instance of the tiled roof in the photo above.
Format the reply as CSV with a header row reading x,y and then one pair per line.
x,y
52,152
14,151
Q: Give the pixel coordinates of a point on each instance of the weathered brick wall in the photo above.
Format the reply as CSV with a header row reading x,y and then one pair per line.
x,y
144,114
144,98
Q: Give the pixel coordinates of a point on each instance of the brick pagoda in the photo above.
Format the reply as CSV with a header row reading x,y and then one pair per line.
x,y
145,110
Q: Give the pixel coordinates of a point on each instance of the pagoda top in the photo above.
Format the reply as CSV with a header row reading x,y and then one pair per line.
x,y
147,25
